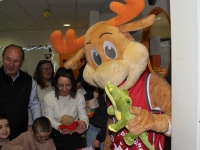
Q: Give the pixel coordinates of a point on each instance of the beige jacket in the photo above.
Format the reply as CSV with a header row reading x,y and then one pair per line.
x,y
25,141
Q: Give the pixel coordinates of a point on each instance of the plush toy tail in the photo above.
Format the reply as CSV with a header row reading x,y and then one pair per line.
x,y
144,137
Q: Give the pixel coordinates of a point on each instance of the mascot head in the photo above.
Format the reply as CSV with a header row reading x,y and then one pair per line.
x,y
111,52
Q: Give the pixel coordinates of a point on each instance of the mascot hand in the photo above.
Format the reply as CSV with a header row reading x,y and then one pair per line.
x,y
145,121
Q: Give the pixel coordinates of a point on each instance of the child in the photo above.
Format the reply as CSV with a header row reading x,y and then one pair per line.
x,y
96,132
4,130
38,138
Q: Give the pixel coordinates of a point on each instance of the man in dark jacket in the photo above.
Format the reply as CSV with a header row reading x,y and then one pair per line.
x,y
17,91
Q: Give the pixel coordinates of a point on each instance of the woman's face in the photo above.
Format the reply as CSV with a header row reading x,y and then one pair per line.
x,y
64,86
47,71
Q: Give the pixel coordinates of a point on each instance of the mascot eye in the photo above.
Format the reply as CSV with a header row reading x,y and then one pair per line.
x,y
109,50
95,56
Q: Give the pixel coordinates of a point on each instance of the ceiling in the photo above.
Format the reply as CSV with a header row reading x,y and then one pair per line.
x,y
29,14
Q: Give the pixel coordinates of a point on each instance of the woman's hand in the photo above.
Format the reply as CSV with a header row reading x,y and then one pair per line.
x,y
81,126
96,144
64,131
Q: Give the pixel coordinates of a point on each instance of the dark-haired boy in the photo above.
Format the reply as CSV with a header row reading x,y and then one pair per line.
x,y
36,139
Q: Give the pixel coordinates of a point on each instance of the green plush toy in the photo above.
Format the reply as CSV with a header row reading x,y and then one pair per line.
x,y
121,103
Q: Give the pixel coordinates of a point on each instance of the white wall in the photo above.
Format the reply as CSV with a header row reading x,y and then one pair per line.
x,y
32,38
185,29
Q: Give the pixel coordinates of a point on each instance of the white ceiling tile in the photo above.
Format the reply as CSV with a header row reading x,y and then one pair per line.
x,y
29,14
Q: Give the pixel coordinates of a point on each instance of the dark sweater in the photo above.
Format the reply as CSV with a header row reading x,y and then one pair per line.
x,y
100,118
14,100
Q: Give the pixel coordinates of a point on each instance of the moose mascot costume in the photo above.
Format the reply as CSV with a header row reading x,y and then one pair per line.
x,y
114,56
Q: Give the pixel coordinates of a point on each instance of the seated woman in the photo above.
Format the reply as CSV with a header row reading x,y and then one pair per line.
x,y
65,100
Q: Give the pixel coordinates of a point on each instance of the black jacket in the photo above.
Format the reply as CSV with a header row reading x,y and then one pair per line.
x,y
14,100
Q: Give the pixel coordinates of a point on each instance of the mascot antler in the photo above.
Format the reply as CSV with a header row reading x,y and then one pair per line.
x,y
125,13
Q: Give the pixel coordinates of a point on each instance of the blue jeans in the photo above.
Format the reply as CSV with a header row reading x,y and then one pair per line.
x,y
91,135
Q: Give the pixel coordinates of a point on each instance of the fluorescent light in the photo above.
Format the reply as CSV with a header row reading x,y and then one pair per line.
x,y
66,25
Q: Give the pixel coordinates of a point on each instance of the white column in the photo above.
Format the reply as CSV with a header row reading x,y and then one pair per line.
x,y
93,17
185,29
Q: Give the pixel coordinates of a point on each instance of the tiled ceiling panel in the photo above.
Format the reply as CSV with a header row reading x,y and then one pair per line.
x,y
29,14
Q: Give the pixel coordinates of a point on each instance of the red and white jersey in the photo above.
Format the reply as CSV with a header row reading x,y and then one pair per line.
x,y
139,94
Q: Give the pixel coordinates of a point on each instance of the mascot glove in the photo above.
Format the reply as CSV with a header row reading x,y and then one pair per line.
x,y
145,121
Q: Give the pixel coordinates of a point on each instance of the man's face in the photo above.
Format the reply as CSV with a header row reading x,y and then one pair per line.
x,y
12,61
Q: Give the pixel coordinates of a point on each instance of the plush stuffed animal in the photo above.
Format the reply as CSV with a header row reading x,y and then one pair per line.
x,y
68,123
113,55
91,105
121,104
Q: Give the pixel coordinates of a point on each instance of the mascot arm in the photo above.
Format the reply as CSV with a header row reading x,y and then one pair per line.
x,y
160,96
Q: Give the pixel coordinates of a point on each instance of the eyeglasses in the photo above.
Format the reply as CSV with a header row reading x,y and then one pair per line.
x,y
42,140
15,62
61,86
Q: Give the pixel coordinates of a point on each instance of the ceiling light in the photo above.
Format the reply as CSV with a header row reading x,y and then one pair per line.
x,y
66,25
47,13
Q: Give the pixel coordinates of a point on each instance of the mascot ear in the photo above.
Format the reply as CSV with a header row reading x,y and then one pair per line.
x,y
139,24
72,61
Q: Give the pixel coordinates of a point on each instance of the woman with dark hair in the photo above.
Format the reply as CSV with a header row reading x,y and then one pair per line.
x,y
65,100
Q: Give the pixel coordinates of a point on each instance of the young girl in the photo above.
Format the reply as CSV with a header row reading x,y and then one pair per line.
x,y
4,130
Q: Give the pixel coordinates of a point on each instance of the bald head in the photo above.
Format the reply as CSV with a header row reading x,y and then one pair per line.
x,y
16,47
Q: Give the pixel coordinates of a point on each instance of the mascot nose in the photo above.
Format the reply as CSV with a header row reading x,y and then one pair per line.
x,y
110,71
